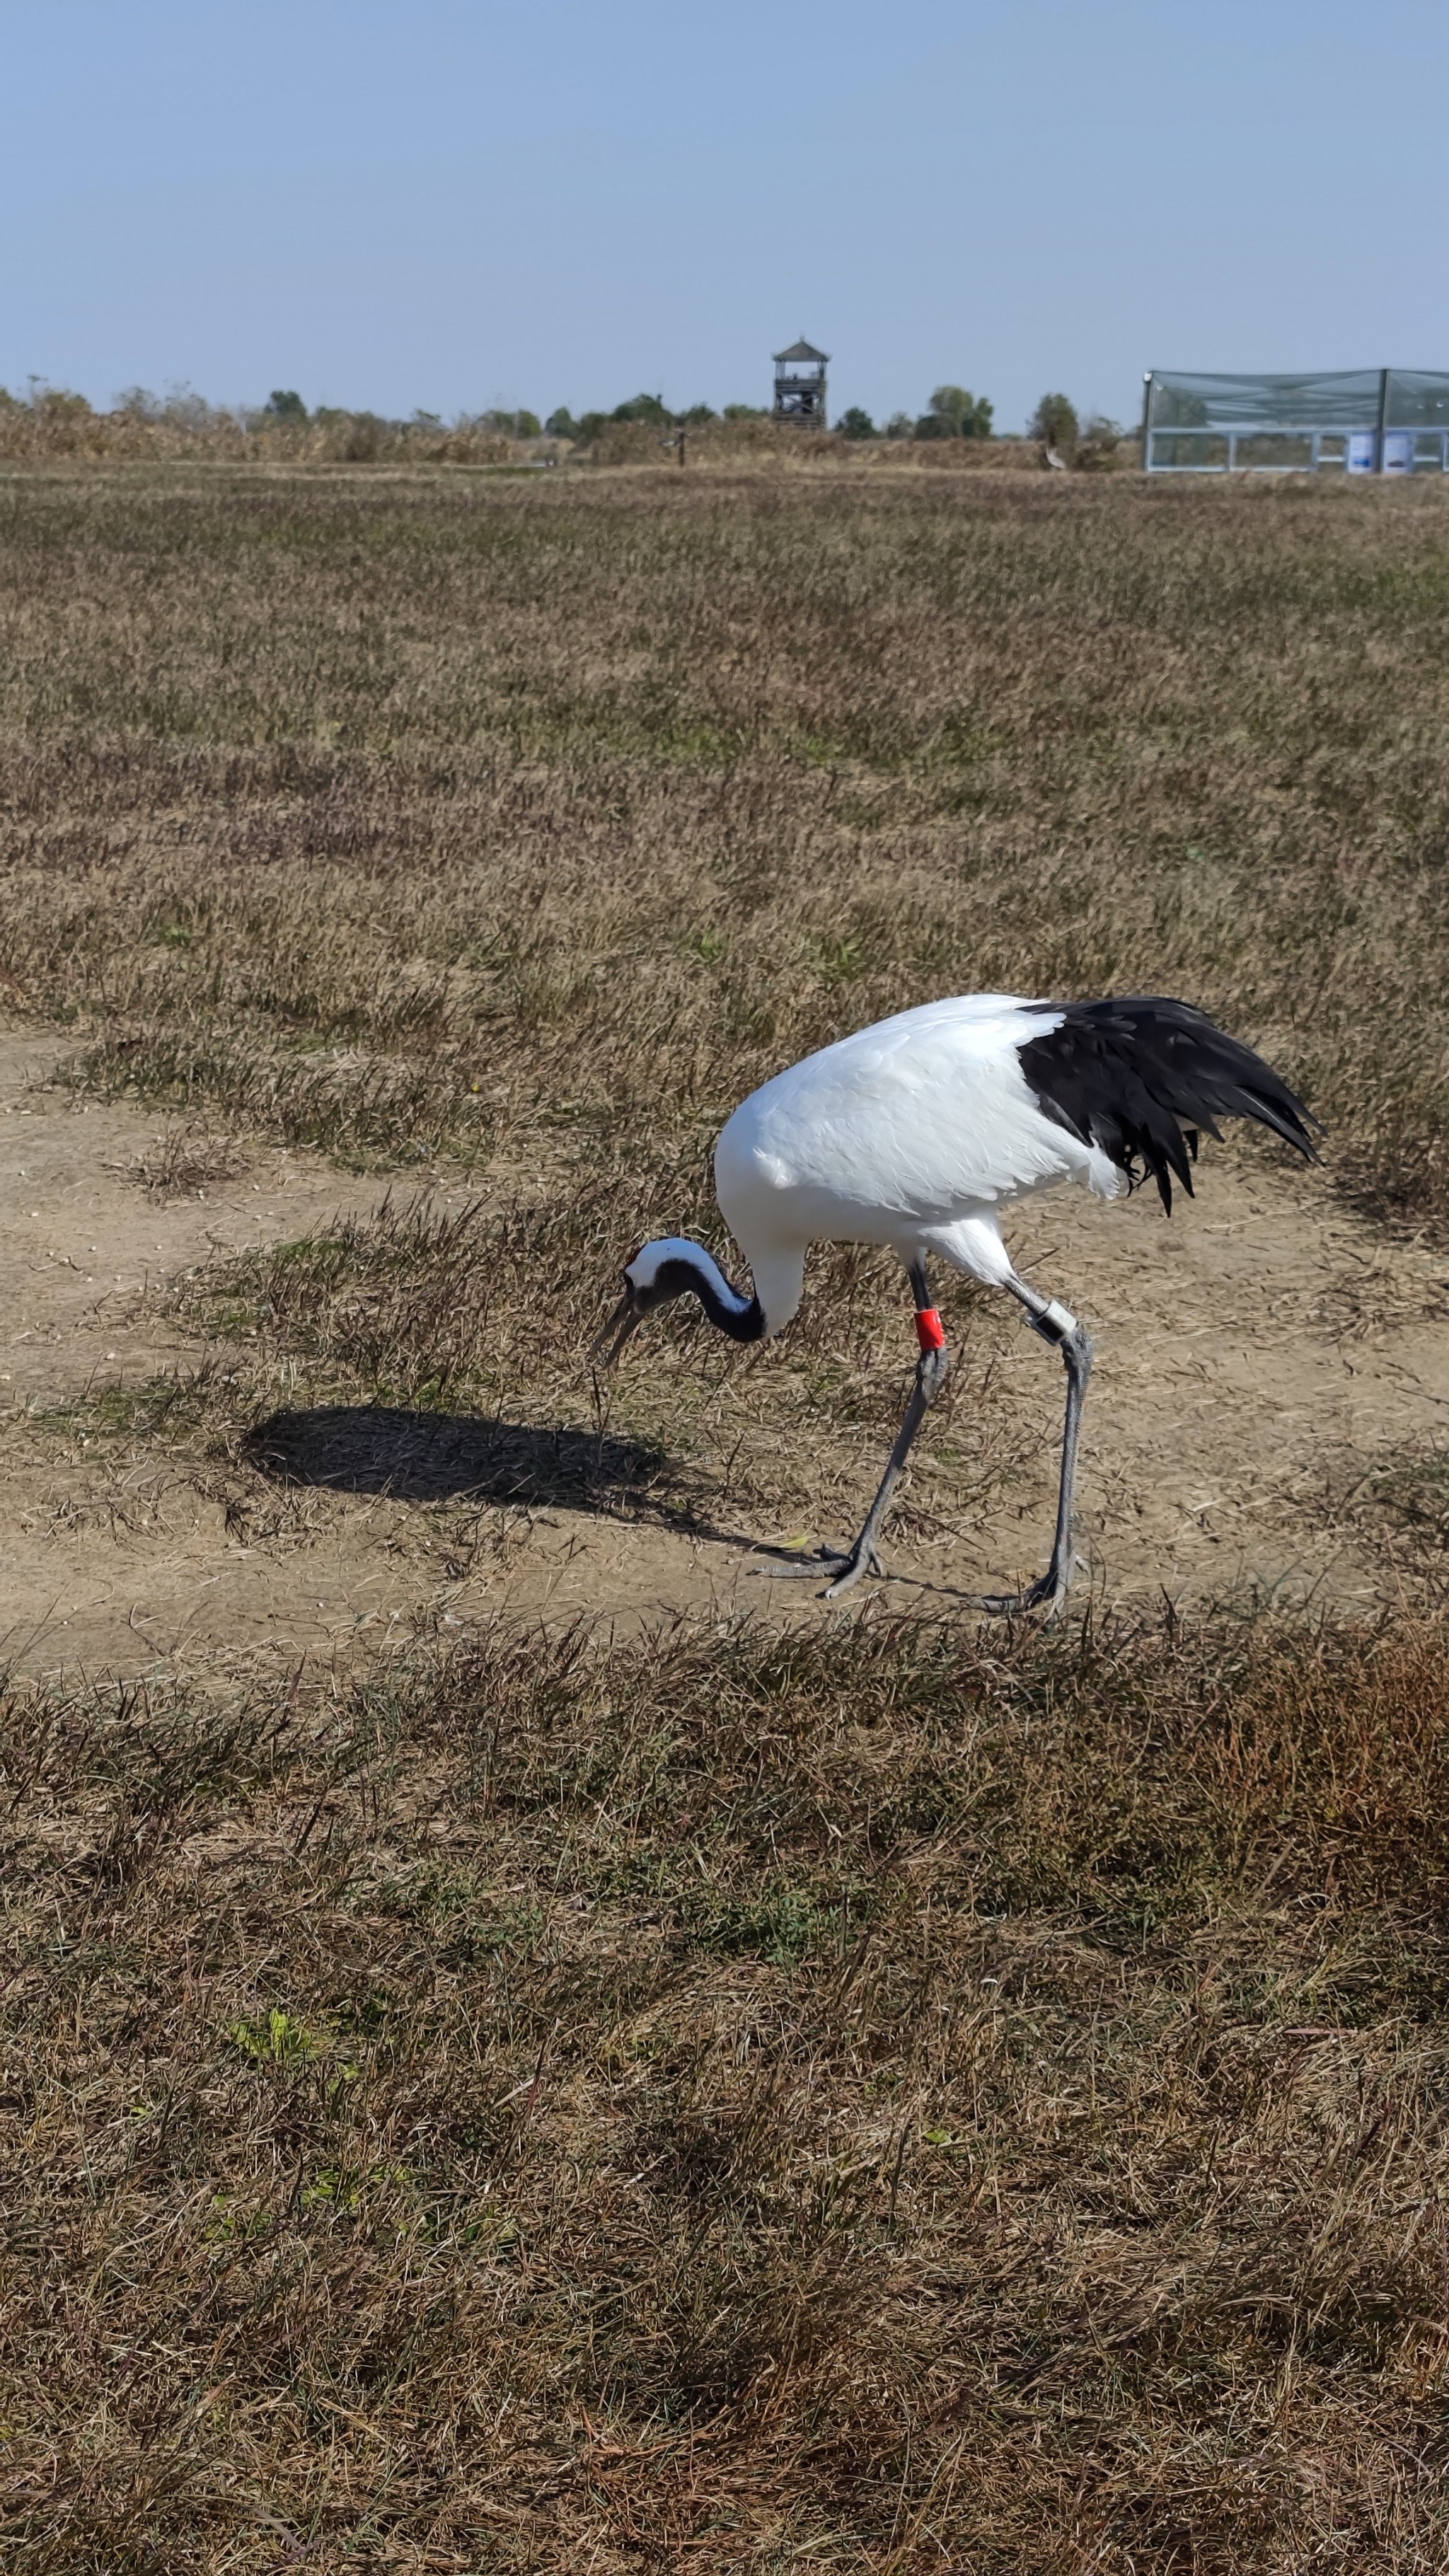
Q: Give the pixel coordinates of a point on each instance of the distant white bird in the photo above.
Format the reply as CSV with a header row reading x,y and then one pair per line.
x,y
916,1133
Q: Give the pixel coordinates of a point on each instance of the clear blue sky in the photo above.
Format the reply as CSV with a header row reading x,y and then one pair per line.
x,y
450,203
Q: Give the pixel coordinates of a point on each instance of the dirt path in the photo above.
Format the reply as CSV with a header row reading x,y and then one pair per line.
x,y
1264,1363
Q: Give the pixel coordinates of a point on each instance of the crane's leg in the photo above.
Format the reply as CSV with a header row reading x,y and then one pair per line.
x,y
932,1370
1055,1325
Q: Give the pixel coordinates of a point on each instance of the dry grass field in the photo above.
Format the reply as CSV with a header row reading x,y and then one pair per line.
x,y
523,2051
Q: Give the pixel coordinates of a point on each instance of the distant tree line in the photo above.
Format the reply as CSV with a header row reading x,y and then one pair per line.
x,y
49,420
47,417
288,406
951,413
649,410
954,413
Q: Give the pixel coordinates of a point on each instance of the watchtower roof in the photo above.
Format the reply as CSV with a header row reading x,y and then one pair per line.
x,y
802,350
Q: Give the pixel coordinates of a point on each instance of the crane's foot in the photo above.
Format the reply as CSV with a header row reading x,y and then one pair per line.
x,y
1049,1594
845,1565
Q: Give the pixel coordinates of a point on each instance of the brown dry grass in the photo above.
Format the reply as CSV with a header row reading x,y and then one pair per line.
x,y
409,815
880,2098
873,2100
50,425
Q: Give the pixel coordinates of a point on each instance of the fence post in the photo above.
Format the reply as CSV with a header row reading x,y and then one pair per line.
x,y
1147,422
1383,417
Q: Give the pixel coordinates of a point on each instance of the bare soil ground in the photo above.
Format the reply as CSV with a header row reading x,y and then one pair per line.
x,y
1269,1366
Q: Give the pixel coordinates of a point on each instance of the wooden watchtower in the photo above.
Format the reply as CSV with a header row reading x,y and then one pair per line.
x,y
800,385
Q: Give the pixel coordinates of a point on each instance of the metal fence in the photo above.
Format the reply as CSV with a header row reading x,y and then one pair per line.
x,y
1375,420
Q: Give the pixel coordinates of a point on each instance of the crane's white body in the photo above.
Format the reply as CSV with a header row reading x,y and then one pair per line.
x,y
910,1134
914,1134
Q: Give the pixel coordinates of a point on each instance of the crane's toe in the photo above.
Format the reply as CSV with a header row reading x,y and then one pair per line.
x,y
1011,1605
1049,1594
860,1561
846,1565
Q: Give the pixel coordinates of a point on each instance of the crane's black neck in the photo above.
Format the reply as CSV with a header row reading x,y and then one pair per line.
x,y
678,1267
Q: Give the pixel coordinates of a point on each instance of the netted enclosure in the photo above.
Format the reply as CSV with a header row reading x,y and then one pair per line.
x,y
1369,420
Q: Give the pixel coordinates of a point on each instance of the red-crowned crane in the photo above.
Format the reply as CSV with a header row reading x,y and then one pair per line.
x,y
916,1134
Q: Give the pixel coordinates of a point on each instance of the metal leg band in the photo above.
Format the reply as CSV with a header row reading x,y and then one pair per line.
x,y
1054,1323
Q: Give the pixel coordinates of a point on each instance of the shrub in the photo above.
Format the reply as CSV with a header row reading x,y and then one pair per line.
x,y
1099,445
362,437
1054,422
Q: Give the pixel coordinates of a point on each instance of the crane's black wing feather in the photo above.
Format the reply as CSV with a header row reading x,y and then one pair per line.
x,y
1140,1076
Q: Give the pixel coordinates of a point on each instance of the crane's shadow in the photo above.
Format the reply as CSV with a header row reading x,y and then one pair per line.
x,y
419,1457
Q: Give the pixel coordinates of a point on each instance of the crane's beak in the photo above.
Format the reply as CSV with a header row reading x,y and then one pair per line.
x,y
625,1319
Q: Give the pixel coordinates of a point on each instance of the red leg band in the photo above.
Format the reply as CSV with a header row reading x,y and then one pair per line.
x,y
930,1331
